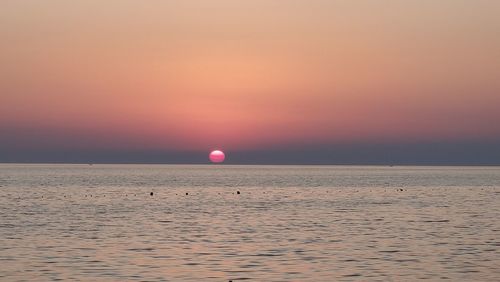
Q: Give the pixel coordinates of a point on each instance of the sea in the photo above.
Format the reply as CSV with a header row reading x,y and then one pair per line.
x,y
81,222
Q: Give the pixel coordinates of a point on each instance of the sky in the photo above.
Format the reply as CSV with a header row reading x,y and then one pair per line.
x,y
311,81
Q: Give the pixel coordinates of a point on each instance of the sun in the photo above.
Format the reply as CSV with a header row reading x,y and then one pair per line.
x,y
217,156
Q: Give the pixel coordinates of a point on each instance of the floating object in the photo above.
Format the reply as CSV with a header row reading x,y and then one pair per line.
x,y
151,194
238,192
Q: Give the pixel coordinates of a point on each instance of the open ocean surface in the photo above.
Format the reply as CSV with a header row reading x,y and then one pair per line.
x,y
289,223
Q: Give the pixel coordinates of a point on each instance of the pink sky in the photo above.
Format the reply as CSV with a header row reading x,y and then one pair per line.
x,y
195,75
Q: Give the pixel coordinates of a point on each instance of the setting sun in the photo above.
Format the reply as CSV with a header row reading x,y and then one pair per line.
x,y
217,156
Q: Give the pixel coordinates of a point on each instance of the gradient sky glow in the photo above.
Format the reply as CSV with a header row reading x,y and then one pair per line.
x,y
185,76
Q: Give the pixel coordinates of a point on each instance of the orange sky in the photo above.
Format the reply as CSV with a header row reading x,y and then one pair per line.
x,y
194,75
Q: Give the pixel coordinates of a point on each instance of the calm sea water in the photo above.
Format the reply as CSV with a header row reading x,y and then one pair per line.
x,y
289,223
